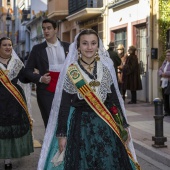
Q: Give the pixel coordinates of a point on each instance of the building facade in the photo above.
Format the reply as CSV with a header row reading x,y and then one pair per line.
x,y
142,23
130,22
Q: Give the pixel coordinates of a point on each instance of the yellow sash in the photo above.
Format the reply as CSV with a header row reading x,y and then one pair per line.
x,y
95,103
14,91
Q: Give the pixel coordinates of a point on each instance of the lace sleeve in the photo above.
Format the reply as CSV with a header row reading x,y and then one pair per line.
x,y
105,84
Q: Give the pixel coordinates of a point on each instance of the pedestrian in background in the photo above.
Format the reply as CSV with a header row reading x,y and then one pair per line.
x,y
88,87
15,122
123,56
114,56
164,73
47,58
131,75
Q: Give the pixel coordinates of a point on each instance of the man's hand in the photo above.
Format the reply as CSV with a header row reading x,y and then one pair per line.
x,y
46,78
62,143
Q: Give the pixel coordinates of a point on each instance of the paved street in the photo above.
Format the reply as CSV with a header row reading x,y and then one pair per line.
x,y
30,162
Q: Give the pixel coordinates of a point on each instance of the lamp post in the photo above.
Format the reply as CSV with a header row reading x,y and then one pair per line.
x,y
8,21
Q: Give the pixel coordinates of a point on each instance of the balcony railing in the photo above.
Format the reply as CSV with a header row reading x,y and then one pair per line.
x,y
77,5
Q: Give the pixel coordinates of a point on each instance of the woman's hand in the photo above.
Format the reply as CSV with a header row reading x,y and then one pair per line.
x,y
62,141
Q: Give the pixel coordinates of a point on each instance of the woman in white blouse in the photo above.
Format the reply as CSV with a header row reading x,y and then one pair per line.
x,y
164,73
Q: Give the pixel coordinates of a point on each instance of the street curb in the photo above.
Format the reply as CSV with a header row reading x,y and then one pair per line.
x,y
151,152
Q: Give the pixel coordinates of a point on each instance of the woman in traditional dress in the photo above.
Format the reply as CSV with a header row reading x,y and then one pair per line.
x,y
87,121
15,122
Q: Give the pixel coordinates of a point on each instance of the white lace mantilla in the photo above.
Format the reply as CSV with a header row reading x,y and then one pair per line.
x,y
103,76
13,67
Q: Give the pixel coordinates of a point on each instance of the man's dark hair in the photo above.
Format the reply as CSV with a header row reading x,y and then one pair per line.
x,y
54,23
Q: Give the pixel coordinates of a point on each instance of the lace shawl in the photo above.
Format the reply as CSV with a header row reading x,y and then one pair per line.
x,y
103,76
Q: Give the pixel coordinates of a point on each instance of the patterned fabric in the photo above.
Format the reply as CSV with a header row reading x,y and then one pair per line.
x,y
92,145
13,118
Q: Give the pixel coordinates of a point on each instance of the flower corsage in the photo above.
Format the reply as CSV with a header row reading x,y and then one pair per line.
x,y
119,121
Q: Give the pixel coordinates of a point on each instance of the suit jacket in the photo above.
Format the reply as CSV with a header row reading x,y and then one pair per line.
x,y
38,59
115,58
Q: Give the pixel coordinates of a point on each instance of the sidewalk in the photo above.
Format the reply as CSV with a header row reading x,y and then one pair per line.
x,y
142,124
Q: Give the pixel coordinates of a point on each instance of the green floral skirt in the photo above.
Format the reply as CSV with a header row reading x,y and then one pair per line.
x,y
92,145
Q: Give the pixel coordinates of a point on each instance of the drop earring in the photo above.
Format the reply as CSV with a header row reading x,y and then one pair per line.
x,y
97,58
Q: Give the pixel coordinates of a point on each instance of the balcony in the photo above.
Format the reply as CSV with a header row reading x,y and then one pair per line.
x,y
120,3
81,10
57,9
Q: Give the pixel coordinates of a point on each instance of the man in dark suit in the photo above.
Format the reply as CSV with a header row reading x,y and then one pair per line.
x,y
47,59
114,56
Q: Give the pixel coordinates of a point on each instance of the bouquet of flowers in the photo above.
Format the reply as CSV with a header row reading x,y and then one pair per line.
x,y
119,121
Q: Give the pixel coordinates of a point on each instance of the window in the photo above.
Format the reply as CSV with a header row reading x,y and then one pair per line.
x,y
120,37
141,46
8,2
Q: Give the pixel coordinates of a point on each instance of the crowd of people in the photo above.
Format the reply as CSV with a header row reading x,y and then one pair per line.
x,y
127,70
81,91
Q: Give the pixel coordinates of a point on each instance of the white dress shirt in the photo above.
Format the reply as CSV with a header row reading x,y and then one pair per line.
x,y
56,56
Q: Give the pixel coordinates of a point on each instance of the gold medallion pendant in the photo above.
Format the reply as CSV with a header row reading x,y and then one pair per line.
x,y
94,84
